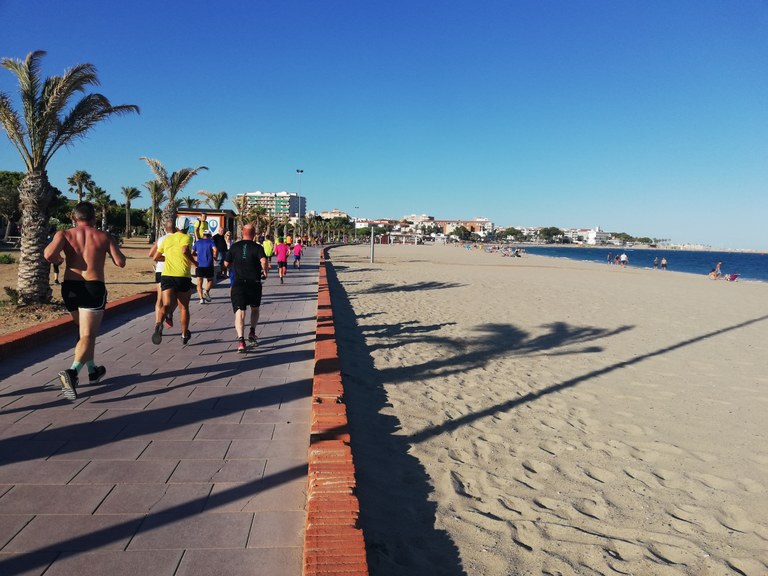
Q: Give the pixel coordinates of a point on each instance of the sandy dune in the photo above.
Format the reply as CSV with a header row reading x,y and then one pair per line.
x,y
541,416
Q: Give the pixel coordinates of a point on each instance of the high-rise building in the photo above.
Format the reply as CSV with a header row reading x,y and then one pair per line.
x,y
277,204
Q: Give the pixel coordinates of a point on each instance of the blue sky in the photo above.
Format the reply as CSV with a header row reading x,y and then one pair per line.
x,y
646,117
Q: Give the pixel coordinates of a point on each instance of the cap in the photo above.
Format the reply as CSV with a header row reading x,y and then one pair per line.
x,y
207,233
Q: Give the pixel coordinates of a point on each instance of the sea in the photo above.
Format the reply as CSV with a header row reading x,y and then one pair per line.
x,y
748,265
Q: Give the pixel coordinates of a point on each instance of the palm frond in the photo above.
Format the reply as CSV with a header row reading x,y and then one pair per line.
x,y
161,174
181,177
10,121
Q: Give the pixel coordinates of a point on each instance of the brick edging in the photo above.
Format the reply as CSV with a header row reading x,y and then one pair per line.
x,y
333,540
14,342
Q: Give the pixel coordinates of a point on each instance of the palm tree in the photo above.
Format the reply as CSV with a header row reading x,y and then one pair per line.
x,y
43,127
190,202
102,201
214,200
79,180
130,193
171,185
157,197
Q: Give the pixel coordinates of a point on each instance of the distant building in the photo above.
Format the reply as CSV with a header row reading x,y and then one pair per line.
x,y
331,214
479,226
597,236
278,204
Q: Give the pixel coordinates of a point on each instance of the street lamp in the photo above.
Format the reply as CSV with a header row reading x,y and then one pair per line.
x,y
299,171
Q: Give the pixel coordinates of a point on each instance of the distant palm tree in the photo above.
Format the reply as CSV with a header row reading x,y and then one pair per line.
x,y
171,185
38,133
214,200
102,201
157,197
79,181
190,202
130,193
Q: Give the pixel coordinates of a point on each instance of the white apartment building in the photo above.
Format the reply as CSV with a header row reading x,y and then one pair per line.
x,y
277,204
597,236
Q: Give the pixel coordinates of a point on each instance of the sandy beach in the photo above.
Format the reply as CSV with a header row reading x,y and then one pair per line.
x,y
541,416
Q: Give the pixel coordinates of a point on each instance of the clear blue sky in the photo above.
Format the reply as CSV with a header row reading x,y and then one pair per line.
x,y
649,117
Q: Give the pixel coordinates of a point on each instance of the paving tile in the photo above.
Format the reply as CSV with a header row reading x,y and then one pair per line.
x,y
186,450
67,499
218,431
96,450
274,415
218,471
207,530
11,525
123,563
75,532
277,529
248,449
266,562
40,472
154,498
26,564
259,496
18,450
126,472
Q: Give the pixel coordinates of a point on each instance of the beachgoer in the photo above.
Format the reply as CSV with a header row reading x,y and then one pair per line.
x,y
175,279
655,262
205,251
623,259
247,261
297,252
716,270
83,289
610,258
664,263
281,253
201,226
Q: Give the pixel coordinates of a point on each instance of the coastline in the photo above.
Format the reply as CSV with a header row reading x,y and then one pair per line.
x,y
550,414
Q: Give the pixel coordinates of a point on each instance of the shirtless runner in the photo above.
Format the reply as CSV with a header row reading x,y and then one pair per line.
x,y
83,290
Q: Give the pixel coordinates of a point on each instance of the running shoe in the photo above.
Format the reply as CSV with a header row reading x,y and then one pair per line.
x,y
169,319
206,296
68,379
202,300
281,280
185,337
241,346
157,335
95,377
252,338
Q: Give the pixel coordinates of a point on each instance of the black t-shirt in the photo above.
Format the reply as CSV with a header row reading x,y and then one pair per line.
x,y
245,259
221,243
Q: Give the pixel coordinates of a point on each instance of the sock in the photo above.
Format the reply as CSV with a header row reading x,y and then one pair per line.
x,y
91,367
76,366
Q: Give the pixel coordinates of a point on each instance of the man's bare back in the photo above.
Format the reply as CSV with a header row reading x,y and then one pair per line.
x,y
85,251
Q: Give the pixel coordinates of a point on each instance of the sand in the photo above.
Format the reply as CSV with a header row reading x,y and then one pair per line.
x,y
541,416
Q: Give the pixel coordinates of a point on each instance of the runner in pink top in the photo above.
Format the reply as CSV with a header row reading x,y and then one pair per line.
x,y
281,253
297,251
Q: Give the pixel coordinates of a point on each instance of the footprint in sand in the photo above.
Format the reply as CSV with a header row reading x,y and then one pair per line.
x,y
747,566
648,480
526,534
517,505
696,516
525,480
556,507
669,479
600,475
674,554
714,482
751,486
591,508
735,518
537,467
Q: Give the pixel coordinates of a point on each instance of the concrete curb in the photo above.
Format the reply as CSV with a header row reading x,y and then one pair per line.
x,y
16,342
333,541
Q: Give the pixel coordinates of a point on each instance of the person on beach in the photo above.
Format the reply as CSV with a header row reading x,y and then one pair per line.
x,y
610,258
83,290
297,252
655,262
281,254
623,259
248,263
664,263
159,265
205,251
175,279
201,226
715,273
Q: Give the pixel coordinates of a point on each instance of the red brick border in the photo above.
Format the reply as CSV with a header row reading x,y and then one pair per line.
x,y
15,342
333,540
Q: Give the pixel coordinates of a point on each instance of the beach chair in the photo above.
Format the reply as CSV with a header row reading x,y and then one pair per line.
x,y
730,277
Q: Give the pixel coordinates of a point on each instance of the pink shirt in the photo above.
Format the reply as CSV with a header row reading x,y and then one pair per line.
x,y
297,250
282,251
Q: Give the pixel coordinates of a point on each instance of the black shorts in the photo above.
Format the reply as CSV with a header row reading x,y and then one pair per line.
x,y
158,275
179,283
282,263
84,294
204,272
245,293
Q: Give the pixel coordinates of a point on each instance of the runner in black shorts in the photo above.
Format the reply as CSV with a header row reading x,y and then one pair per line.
x,y
84,294
249,263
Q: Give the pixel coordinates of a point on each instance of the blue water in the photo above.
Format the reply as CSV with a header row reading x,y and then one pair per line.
x,y
750,266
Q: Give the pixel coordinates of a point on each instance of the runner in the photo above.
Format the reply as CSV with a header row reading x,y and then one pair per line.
x,y
158,273
247,260
206,252
281,252
83,290
297,252
175,279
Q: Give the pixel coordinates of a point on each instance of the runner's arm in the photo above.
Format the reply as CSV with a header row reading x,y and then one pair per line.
x,y
114,252
53,250
264,268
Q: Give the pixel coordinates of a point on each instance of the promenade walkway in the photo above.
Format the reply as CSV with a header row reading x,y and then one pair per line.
x,y
186,460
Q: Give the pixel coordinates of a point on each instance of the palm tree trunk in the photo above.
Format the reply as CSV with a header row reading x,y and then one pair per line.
x,y
35,195
127,219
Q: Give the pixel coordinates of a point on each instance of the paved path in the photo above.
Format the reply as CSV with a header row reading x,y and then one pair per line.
x,y
186,460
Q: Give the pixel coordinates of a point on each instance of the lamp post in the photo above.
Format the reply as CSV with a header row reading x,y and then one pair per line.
x,y
299,171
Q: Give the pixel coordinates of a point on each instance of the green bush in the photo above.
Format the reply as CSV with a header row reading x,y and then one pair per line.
x,y
7,259
13,295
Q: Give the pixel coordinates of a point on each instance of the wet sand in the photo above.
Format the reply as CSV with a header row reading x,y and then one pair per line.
x,y
541,416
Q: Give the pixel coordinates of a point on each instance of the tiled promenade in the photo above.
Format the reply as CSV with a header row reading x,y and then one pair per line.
x,y
187,460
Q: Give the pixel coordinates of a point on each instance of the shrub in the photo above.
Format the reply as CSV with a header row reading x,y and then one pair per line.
x,y
7,259
13,295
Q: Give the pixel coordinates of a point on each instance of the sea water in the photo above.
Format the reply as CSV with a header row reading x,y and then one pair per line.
x,y
749,265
